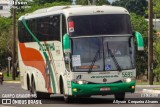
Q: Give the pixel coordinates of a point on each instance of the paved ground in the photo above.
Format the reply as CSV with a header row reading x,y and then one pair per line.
x,y
58,101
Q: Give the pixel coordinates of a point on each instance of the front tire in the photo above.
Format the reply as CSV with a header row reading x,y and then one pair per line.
x,y
119,96
67,99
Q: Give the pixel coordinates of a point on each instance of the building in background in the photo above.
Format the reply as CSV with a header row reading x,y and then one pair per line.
x,y
5,6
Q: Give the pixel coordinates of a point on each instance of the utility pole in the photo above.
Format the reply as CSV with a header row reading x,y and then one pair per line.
x,y
93,2
89,3
150,43
14,42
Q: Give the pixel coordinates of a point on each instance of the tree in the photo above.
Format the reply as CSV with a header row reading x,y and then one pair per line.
x,y
82,2
156,7
157,58
5,37
49,1
140,25
98,2
136,6
102,2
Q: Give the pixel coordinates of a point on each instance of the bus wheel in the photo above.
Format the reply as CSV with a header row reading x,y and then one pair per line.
x,y
67,99
119,96
39,95
43,95
33,89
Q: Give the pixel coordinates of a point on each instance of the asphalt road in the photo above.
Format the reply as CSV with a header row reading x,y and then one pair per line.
x,y
57,100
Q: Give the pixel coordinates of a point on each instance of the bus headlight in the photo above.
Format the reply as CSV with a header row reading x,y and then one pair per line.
x,y
82,82
128,79
1,73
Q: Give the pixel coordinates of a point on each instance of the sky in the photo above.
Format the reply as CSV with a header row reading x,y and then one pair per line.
x,y
110,0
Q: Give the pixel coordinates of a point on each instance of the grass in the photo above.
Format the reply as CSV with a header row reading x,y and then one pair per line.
x,y
9,78
146,83
156,88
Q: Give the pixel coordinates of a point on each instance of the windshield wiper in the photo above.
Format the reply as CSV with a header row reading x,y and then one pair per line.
x,y
93,61
115,60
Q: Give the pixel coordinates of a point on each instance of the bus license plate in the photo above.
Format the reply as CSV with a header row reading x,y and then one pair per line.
x,y
105,89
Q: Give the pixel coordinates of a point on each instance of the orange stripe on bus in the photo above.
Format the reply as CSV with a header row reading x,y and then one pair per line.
x,y
33,58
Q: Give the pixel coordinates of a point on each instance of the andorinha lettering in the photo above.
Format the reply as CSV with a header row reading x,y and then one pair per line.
x,y
107,76
45,47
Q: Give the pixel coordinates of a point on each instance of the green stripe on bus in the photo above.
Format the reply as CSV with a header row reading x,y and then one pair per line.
x,y
50,69
44,53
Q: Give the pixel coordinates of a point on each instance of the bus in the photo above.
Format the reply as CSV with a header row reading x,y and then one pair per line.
x,y
78,51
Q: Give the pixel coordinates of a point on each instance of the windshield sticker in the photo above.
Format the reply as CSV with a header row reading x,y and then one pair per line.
x,y
71,26
108,67
76,60
71,29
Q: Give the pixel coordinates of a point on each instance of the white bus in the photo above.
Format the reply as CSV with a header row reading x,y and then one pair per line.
x,y
78,51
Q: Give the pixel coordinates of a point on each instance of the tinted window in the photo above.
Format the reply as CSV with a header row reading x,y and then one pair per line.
x,y
48,28
100,24
45,29
23,34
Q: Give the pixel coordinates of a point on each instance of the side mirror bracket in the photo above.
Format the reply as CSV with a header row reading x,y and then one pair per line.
x,y
66,44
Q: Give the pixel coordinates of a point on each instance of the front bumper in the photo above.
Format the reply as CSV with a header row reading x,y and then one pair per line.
x,y
94,89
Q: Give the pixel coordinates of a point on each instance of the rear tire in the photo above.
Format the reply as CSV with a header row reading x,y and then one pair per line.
x,y
39,95
43,95
33,89
119,96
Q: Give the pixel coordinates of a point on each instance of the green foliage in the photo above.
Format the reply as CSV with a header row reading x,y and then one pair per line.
x,y
157,57
82,2
135,6
98,2
49,1
156,7
5,24
140,25
102,2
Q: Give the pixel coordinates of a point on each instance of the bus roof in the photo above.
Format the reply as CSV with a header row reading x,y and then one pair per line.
x,y
75,10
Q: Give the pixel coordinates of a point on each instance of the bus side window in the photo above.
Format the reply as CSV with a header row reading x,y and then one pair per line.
x,y
48,28
64,27
55,27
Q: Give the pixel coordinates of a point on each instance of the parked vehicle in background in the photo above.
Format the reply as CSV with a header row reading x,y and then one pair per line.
x,y
1,75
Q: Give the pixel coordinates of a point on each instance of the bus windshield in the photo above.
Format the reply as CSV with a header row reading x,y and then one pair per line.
x,y
95,52
99,24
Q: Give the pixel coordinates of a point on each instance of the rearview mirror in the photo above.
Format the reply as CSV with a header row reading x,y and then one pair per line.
x,y
66,44
139,40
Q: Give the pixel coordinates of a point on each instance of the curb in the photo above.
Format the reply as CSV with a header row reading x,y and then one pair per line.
x,y
151,86
12,81
151,91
